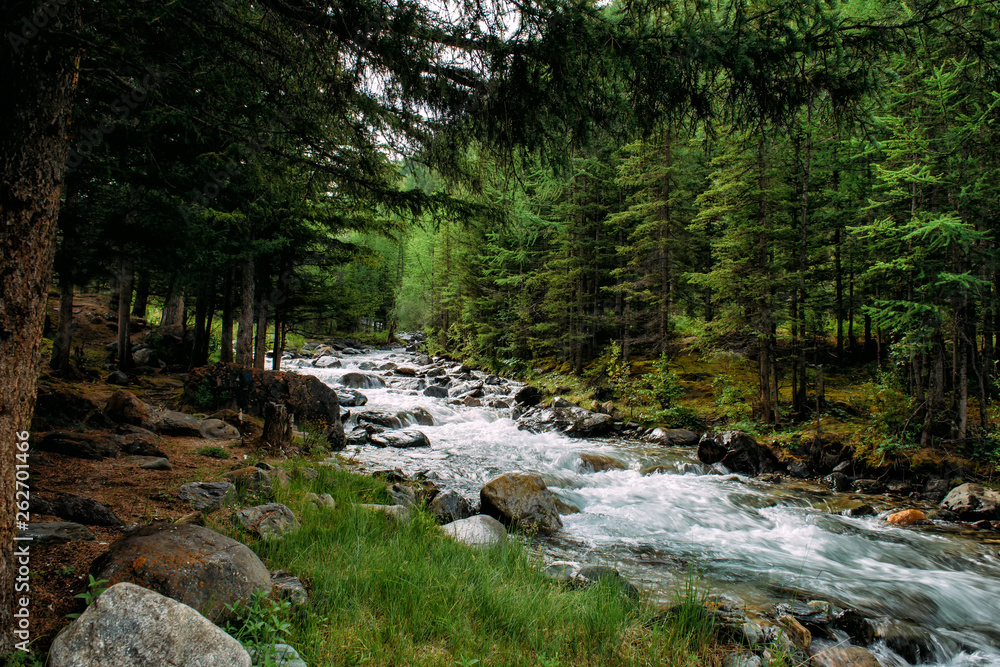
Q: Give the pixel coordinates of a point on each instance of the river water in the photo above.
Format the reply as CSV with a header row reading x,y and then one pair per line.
x,y
763,543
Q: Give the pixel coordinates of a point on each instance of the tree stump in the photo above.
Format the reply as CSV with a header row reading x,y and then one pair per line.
x,y
277,433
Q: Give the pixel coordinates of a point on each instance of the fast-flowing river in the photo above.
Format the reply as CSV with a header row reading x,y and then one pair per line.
x,y
763,543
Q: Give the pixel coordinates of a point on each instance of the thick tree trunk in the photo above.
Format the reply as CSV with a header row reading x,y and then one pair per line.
x,y
279,342
126,276
37,82
200,332
141,295
277,434
173,309
226,344
244,335
63,343
263,312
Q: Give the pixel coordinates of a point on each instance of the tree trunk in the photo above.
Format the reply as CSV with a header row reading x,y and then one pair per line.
x,y
173,309
126,276
141,295
277,434
63,343
244,335
279,342
226,344
263,306
37,83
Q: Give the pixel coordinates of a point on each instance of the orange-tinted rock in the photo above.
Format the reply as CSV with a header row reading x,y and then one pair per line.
x,y
905,518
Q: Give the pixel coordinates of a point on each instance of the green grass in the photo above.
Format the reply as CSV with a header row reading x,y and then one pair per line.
x,y
214,452
386,593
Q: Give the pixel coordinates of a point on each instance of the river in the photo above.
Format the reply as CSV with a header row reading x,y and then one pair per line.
x,y
763,543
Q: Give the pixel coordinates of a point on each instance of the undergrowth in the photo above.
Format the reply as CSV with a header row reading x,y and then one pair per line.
x,y
389,593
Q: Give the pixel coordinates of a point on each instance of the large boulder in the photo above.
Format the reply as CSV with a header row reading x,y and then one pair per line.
x,y
973,502
477,531
171,422
269,521
738,452
673,437
94,446
449,506
600,463
57,408
188,563
522,502
361,381
56,532
572,421
408,437
231,386
125,408
350,398
75,508
528,395
131,626
208,496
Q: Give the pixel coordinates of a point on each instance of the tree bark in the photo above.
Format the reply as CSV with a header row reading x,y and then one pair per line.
x,y
37,84
173,309
263,306
277,433
141,302
226,344
63,343
244,335
126,277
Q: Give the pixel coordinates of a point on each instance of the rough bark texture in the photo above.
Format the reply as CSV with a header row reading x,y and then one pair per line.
x,y
226,344
63,343
244,335
173,310
277,428
126,276
36,98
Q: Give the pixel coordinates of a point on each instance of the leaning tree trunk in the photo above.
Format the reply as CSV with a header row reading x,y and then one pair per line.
x,y
37,82
126,277
244,335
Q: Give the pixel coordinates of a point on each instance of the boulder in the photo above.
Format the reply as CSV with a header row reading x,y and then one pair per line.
x,y
838,481
171,422
528,395
125,408
131,626
672,437
350,398
592,574
155,463
93,446
327,362
288,587
449,506
57,408
251,390
56,532
207,496
251,480
405,438
417,416
600,463
268,522
906,518
575,422
436,391
322,500
142,444
406,371
216,429
973,502
823,655
75,508
477,531
380,417
119,378
395,512
278,655
738,452
521,501
146,357
402,494
188,563
361,381
868,486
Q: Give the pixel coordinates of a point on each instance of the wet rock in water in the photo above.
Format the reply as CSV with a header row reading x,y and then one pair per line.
x,y
380,417
838,481
436,391
477,531
521,501
814,612
560,402
565,507
472,402
350,398
575,422
216,429
528,395
799,469
599,463
657,470
403,439
56,532
269,522
795,632
406,371
609,576
590,425
858,627
832,655
869,486
188,563
132,626
403,495
449,506
394,475
862,509
973,502
906,518
738,452
79,509
418,416
327,362
288,587
913,643
669,437
207,496
357,436
361,381
935,490
561,571
366,366
92,446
